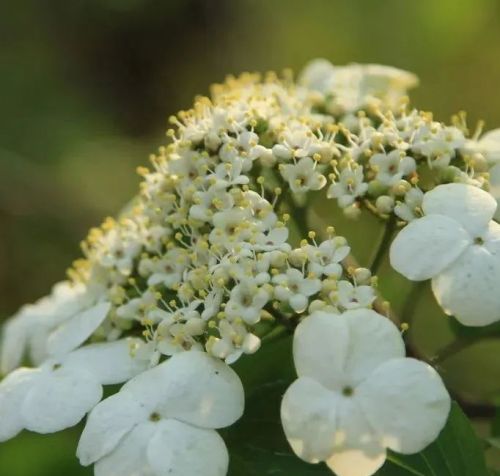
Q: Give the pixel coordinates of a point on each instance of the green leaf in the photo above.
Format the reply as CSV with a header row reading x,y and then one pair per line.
x,y
258,446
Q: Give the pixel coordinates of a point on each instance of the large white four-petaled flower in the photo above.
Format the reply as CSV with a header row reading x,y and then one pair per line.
x,y
457,245
357,394
59,393
163,421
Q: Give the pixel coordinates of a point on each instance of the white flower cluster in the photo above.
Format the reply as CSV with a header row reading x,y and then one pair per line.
x,y
205,260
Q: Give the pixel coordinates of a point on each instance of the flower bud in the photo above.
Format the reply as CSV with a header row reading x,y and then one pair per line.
x,y
384,204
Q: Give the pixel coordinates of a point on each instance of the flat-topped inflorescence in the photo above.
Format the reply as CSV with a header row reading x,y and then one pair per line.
x,y
212,255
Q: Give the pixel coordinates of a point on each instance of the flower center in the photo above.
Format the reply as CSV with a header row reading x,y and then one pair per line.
x,y
347,391
478,241
154,417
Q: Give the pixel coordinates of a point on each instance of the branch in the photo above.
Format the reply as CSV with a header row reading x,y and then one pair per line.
x,y
384,243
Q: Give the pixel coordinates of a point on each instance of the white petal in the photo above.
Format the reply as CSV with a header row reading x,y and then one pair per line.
x,y
129,458
37,344
179,449
341,350
12,391
354,430
426,246
310,286
308,416
492,238
298,302
319,348
192,387
107,424
406,402
110,363
78,329
59,399
354,462
317,74
14,339
472,207
489,145
469,289
495,187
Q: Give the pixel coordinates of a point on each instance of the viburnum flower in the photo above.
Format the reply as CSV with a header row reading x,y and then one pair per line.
x,y
439,145
235,341
357,394
28,330
59,393
350,186
488,145
352,297
246,301
57,323
411,208
295,288
163,421
325,258
457,245
392,167
303,176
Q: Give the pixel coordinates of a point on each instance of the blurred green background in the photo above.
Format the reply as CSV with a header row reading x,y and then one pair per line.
x,y
86,87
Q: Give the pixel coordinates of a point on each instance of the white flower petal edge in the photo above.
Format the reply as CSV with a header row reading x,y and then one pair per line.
x,y
12,390
457,245
163,421
28,330
309,417
59,399
191,387
495,186
470,206
179,449
406,402
353,462
344,350
107,424
372,400
130,456
59,393
426,246
78,329
468,289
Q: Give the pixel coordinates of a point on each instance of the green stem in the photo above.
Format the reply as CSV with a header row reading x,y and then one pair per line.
x,y
276,333
452,349
409,306
297,213
384,244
